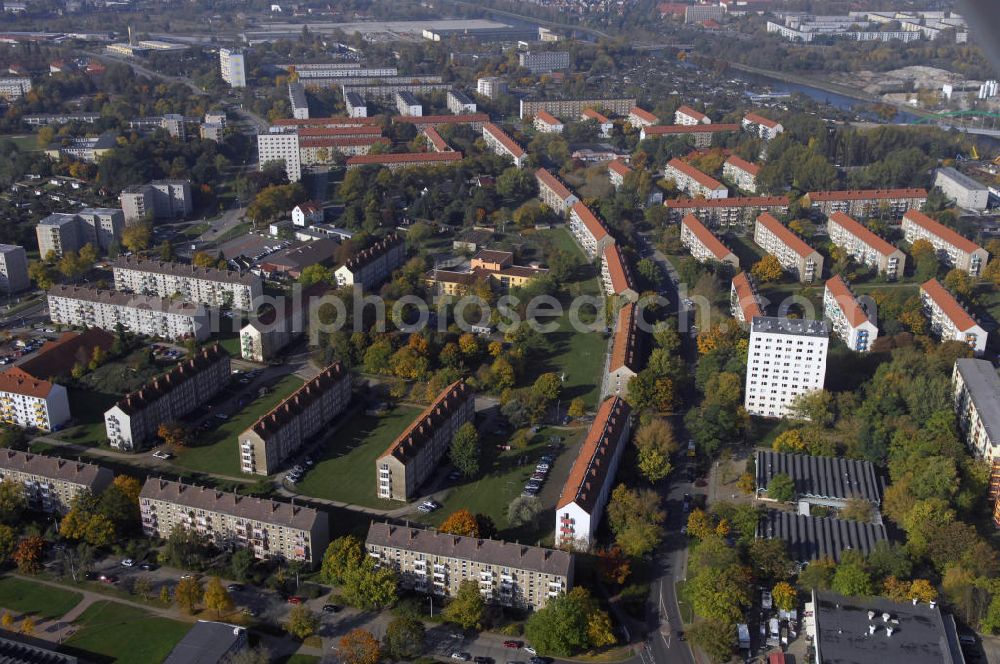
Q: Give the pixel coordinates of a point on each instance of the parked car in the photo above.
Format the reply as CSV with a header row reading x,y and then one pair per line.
x,y
461,656
162,454
512,644
234,587
128,562
330,608
108,578
294,599
530,650
147,567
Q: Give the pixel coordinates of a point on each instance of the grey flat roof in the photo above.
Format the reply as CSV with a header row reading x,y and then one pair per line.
x,y
811,538
461,97
961,179
800,326
206,643
983,383
920,634
823,477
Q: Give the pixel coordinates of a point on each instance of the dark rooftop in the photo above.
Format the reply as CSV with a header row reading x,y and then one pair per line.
x,y
811,538
207,643
821,477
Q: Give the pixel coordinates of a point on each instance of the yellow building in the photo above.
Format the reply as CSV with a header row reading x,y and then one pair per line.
x,y
496,267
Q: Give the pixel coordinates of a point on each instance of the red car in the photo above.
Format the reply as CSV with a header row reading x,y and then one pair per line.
x,y
294,600
511,644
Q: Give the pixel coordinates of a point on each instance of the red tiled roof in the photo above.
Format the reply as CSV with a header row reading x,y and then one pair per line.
x,y
744,165
691,113
659,130
547,118
422,428
948,304
271,422
703,179
57,358
861,232
404,158
466,118
787,237
591,114
621,276
593,224
643,114
706,237
865,194
341,131
593,463
846,301
505,140
619,167
674,8
553,183
435,138
18,381
746,297
761,120
328,122
341,141
743,201
624,350
940,230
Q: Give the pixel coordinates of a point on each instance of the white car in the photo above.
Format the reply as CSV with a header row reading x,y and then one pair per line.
x,y
530,650
461,656
161,454
128,562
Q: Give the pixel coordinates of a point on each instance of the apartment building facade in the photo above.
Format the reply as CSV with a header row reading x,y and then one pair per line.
x,y
888,203
202,285
396,161
508,574
355,105
603,122
460,103
502,144
687,116
847,317
32,403
953,249
966,192
744,303
588,487
866,247
589,231
159,200
543,62
616,275
61,232
741,173
703,244
761,126
546,123
976,389
280,143
491,87
13,269
628,351
51,483
370,267
639,118
571,108
701,135
13,88
795,256
305,413
949,319
415,453
408,104
553,192
693,182
738,213
617,172
139,314
786,359
232,67
271,530
135,419
494,267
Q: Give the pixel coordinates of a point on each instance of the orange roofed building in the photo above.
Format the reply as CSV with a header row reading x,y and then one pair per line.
x,y
949,320
588,487
415,454
30,402
616,275
848,320
744,304
628,352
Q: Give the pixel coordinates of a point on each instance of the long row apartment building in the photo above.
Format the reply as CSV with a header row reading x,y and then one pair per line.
x,y
136,417
792,252
501,143
744,303
415,453
204,285
952,249
370,267
589,231
703,244
693,182
739,212
281,432
51,483
847,317
866,247
890,203
949,319
554,193
139,314
628,351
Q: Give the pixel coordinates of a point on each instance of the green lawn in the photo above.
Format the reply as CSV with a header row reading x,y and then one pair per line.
x,y
216,451
26,143
346,469
300,659
744,248
125,634
36,599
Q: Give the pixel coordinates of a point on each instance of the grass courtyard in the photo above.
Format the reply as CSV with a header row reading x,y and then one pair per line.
x,y
216,451
36,599
345,470
124,634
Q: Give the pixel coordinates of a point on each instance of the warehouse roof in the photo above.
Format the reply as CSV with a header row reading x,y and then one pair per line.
x,y
812,538
820,476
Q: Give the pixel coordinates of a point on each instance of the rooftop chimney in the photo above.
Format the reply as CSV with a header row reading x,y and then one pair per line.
x,y
871,629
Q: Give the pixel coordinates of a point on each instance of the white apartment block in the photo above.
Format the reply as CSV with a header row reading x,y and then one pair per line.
x,y
157,201
272,530
543,62
298,101
605,124
966,193
891,203
408,104
787,358
953,249
554,193
502,144
32,403
795,256
355,105
370,267
13,88
280,144
703,244
640,118
741,173
616,276
460,103
617,172
61,232
765,128
685,115
507,573
139,314
280,433
200,285
744,304
693,182
13,269
491,87
547,123
135,419
977,404
949,320
865,247
848,319
589,231
588,487
232,67
51,483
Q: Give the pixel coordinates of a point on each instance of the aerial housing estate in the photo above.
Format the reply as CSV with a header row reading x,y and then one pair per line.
x,y
553,192
32,403
949,319
140,314
370,267
866,247
786,359
703,244
792,252
589,231
61,232
848,319
203,285
952,249
51,483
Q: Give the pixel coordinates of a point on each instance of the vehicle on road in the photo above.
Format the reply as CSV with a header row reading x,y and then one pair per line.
x,y
461,656
331,608
162,454
512,644
250,611
687,502
234,587
294,600
457,635
147,567
128,562
222,416
108,579
530,650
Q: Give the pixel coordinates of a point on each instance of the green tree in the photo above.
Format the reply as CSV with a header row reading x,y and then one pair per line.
x,y
523,510
137,238
577,408
547,386
781,487
404,638
217,597
656,442
302,623
851,578
467,608
636,519
714,637
314,274
8,543
342,555
770,559
12,501
464,450
784,595
241,564
369,587
560,628
766,270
